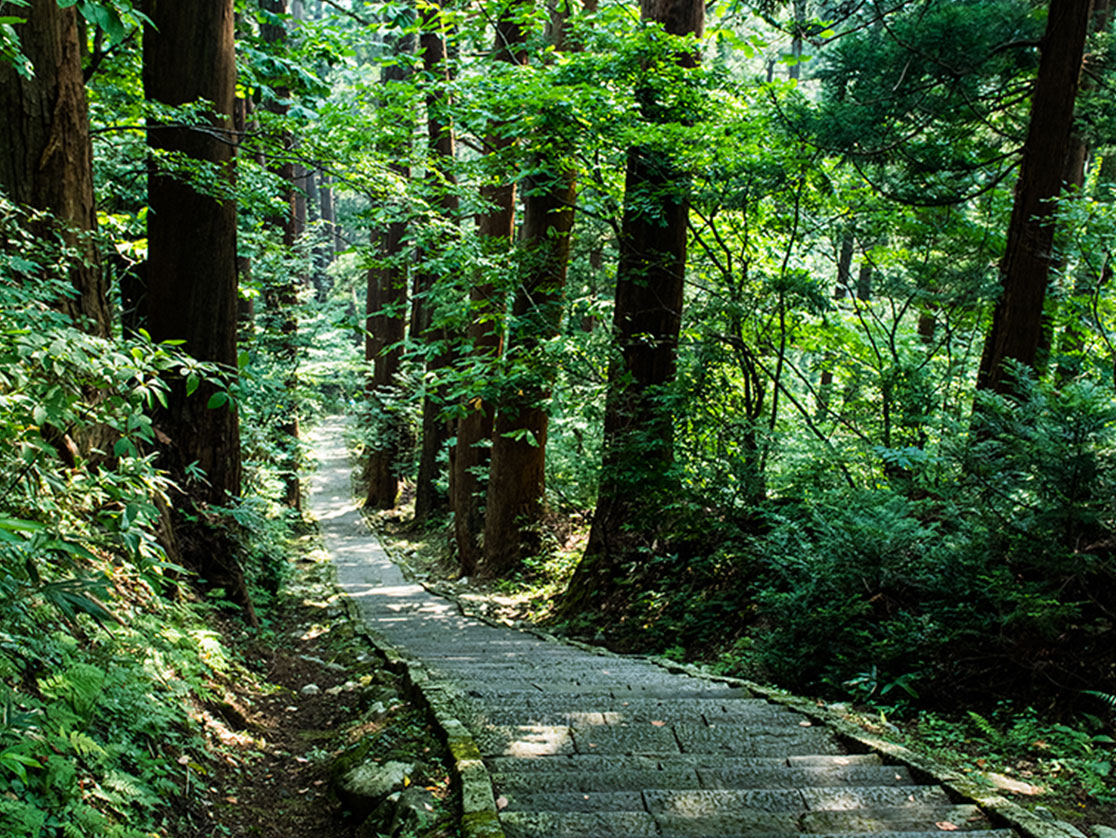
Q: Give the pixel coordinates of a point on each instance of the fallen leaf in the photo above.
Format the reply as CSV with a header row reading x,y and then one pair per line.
x,y
501,802
1010,784
184,760
805,723
658,724
231,800
946,825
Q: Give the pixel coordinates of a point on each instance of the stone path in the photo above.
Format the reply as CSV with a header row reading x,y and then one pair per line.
x,y
581,745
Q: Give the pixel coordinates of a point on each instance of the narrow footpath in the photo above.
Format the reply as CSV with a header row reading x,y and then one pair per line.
x,y
581,745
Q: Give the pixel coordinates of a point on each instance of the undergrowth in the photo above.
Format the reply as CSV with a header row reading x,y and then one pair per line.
x,y
106,654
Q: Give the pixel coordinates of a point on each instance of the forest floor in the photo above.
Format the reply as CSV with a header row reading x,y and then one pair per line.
x,y
1039,780
313,690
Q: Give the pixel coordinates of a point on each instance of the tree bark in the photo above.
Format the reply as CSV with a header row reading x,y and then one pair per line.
x,y
387,313
1024,272
46,159
514,504
283,298
442,182
495,228
188,56
636,475
517,474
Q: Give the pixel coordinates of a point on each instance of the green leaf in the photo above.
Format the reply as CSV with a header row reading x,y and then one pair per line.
x,y
192,382
20,525
124,448
218,400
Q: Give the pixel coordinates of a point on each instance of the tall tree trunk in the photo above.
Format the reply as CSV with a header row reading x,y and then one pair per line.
x,y
636,476
46,161
386,309
514,502
794,71
1024,272
329,217
1071,342
495,228
283,299
187,57
442,182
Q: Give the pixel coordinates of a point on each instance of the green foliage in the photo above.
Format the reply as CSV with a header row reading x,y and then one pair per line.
x,y
99,655
1072,759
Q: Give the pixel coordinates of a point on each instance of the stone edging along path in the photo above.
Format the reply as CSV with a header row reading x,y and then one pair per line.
x,y
555,738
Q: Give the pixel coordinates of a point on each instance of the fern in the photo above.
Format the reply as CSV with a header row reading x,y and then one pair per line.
x,y
79,686
1107,698
984,726
86,746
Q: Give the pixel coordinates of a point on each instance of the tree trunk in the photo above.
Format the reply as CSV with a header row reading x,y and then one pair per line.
x,y
514,502
1024,272
516,480
329,217
386,312
283,300
188,56
495,228
636,475
47,160
442,182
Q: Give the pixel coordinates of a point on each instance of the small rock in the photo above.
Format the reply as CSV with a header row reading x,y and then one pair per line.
x,y
311,689
335,667
1104,831
349,686
1044,813
839,707
1071,829
402,813
334,690
364,788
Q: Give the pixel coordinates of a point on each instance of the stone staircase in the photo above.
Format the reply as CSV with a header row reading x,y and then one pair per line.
x,y
580,744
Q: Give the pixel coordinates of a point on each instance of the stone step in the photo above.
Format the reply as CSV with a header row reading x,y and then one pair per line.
x,y
804,776
707,710
934,833
707,803
668,776
895,819
579,825
590,763
860,797
640,825
529,782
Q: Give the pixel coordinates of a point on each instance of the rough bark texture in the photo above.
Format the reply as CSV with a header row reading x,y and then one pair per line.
x,y
638,449
436,431
514,503
387,316
188,55
1024,272
386,302
46,158
282,300
495,229
517,473
1071,342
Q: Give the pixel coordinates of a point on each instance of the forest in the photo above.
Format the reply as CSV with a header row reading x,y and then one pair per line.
x,y
774,336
